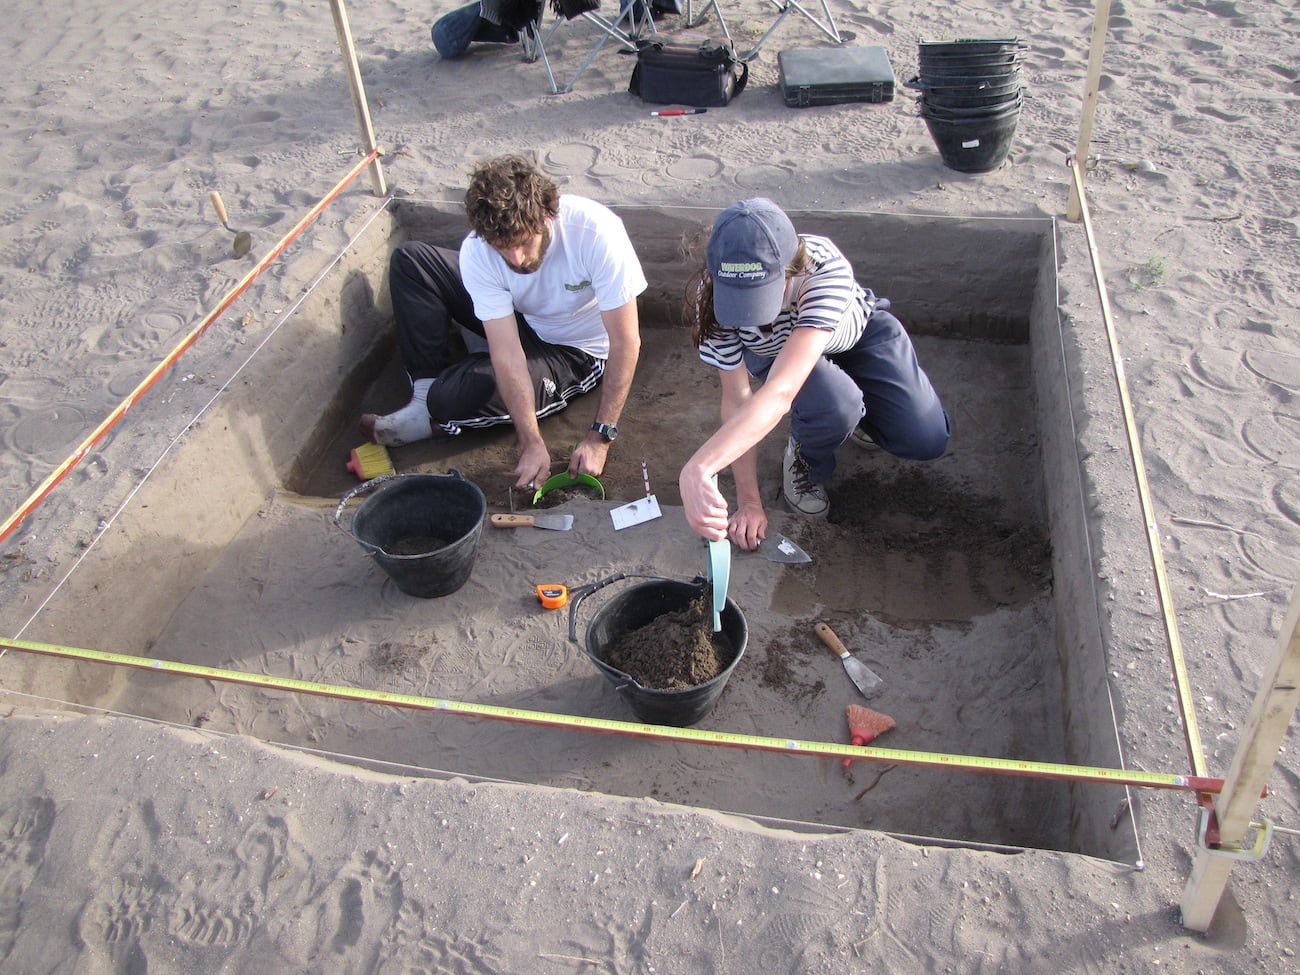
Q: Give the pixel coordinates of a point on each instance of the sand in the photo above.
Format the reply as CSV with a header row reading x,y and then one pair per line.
x,y
162,824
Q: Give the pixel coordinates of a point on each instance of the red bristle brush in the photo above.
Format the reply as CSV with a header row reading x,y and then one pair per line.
x,y
866,725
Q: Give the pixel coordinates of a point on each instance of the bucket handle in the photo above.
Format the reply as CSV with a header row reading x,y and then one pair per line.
x,y
366,486
582,592
361,489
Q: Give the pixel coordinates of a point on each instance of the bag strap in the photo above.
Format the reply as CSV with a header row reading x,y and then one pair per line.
x,y
742,79
711,47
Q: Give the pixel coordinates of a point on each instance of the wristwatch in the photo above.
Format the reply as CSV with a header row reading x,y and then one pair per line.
x,y
606,430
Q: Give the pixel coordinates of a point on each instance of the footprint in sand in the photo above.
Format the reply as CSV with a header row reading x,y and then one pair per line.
x,y
1276,367
571,159
46,432
1273,438
766,178
1286,496
695,169
359,906
24,830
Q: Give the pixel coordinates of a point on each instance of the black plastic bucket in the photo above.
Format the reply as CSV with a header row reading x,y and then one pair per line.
x,y
954,106
981,62
636,607
958,105
965,86
420,510
966,78
972,45
973,145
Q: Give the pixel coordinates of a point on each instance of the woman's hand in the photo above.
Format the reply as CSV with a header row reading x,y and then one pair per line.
x,y
748,526
706,508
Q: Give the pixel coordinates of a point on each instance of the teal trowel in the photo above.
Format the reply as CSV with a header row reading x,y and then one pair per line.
x,y
719,574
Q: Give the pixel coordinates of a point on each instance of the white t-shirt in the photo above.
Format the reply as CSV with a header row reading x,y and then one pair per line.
x,y
589,267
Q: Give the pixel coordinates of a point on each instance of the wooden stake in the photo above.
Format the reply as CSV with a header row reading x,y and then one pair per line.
x,y
1100,20
353,71
1234,807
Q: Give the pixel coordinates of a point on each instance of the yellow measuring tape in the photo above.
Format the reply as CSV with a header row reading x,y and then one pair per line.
x,y
829,749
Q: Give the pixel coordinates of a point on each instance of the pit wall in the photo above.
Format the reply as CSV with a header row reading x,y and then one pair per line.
x,y
182,520
1091,734
984,279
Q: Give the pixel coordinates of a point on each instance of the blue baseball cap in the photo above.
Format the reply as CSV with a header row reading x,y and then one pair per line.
x,y
752,243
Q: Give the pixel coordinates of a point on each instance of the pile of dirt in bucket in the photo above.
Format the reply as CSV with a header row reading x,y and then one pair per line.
x,y
676,650
418,545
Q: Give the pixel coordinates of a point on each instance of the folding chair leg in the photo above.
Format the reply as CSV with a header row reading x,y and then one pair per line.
x,y
828,28
609,29
535,49
786,7
612,29
693,21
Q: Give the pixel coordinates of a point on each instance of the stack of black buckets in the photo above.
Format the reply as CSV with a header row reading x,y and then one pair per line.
x,y
970,99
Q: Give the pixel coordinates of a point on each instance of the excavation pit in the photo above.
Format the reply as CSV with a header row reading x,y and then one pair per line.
x,y
965,583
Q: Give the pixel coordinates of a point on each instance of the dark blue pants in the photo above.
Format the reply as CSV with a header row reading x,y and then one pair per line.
x,y
454,32
879,384
431,306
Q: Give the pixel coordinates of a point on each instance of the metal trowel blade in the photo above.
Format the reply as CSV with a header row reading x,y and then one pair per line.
x,y
777,548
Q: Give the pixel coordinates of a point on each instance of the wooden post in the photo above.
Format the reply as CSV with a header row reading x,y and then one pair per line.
x,y
1100,20
353,71
1275,704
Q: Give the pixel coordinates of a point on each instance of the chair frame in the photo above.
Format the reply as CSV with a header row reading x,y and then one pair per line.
x,y
784,8
625,29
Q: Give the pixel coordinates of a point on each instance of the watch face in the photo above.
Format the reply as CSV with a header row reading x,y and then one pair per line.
x,y
606,430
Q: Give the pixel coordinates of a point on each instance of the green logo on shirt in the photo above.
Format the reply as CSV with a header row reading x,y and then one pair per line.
x,y
579,286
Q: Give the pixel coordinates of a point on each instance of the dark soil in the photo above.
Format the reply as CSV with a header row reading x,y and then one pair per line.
x,y
558,496
675,651
917,511
396,657
781,670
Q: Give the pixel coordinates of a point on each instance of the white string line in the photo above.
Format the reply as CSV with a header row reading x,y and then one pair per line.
x,y
284,317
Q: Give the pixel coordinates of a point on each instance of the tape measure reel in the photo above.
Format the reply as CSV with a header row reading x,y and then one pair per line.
x,y
552,595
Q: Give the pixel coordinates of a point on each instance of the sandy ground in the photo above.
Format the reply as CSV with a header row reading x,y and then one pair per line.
x,y
187,843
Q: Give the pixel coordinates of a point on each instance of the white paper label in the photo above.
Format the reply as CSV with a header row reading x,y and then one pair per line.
x,y
635,512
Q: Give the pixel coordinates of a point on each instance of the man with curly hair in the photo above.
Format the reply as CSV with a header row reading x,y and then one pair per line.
x,y
537,307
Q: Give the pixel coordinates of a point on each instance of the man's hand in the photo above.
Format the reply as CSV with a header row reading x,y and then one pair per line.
x,y
589,456
534,466
516,388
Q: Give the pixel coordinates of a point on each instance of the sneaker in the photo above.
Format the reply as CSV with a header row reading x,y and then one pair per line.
x,y
863,439
802,494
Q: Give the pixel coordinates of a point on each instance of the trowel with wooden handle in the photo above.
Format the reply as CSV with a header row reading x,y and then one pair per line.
x,y
863,676
559,523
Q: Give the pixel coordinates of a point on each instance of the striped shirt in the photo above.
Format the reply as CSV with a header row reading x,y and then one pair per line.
x,y
826,296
